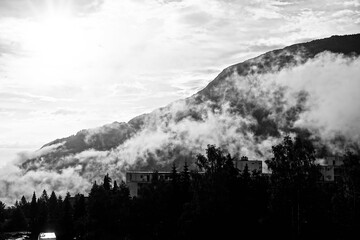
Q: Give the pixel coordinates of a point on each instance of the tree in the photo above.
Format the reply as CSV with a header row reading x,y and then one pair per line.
x,y
116,187
2,213
107,182
124,191
245,175
67,224
34,226
17,221
23,201
294,176
79,216
185,175
44,197
42,207
53,211
174,175
351,180
214,160
294,162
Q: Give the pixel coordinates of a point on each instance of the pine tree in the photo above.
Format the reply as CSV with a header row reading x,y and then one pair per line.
x,y
34,226
115,187
44,197
124,191
185,174
245,175
107,182
79,206
2,213
23,201
174,176
25,206
67,224
42,205
17,221
53,211
79,216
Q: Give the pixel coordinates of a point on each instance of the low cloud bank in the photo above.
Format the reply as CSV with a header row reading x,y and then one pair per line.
x,y
249,115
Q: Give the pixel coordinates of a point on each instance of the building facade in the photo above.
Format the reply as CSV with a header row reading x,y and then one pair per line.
x,y
331,168
253,165
136,179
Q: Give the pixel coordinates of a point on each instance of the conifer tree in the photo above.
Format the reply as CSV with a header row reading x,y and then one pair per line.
x,y
67,224
185,174
23,201
107,182
245,175
115,187
2,214
174,174
34,226
53,211
124,191
79,216
17,221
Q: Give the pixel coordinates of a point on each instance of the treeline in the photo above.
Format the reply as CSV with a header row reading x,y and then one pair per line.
x,y
216,201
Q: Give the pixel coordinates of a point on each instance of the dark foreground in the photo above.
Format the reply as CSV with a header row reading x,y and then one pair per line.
x,y
291,203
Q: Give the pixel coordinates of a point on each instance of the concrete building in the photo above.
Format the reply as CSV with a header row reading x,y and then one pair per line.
x,y
327,173
136,179
331,168
253,165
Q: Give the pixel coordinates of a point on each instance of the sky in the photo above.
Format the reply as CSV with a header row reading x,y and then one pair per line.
x,y
67,65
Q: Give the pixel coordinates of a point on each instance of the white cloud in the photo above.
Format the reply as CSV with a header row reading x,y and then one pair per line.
x,y
331,108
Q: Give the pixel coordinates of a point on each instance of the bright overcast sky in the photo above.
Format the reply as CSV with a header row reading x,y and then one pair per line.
x,y
66,65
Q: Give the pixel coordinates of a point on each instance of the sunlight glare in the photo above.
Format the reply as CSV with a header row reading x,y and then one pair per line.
x,y
55,44
54,38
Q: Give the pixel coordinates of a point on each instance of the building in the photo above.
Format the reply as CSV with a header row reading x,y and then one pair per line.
x,y
47,236
327,173
136,179
331,168
253,165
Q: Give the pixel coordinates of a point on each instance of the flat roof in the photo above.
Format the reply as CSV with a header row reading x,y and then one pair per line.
x,y
47,235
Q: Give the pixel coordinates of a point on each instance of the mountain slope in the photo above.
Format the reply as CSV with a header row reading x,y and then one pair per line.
x,y
246,109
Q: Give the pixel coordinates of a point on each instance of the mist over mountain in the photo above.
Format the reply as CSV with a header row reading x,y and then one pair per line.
x,y
308,88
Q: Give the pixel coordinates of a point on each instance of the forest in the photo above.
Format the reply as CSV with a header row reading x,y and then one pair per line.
x,y
212,201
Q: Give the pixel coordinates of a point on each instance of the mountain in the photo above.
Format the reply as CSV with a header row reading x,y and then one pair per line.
x,y
307,88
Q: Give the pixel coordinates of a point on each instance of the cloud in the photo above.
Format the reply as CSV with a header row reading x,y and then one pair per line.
x,y
252,114
65,112
25,97
27,8
7,48
14,183
331,81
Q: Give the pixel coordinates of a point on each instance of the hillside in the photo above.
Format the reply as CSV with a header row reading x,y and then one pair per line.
x,y
245,109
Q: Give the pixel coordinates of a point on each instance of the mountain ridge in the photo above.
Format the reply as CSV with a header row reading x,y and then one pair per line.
x,y
223,91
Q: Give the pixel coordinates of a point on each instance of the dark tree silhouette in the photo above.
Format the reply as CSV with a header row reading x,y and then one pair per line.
x,y
2,214
107,182
294,177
